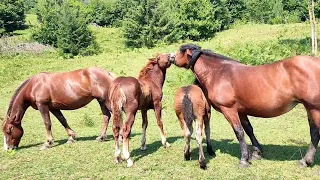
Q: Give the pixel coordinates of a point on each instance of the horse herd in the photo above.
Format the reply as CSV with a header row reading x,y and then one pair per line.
x,y
234,89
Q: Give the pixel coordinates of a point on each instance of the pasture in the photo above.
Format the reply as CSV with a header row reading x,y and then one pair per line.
x,y
284,139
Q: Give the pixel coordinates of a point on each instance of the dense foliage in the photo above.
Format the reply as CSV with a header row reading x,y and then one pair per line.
x,y
64,25
12,15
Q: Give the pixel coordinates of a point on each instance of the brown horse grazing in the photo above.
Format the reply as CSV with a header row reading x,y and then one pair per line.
x,y
52,92
238,90
189,104
130,95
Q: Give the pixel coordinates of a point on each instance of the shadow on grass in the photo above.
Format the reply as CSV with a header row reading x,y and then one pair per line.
x,y
270,151
63,141
151,148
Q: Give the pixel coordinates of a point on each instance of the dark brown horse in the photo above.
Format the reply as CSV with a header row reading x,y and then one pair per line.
x,y
191,104
52,92
130,95
238,90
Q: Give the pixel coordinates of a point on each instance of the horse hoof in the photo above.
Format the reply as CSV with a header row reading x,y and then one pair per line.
x,y
203,165
143,148
118,160
166,145
211,152
101,138
187,157
46,146
244,164
129,163
256,155
70,141
302,163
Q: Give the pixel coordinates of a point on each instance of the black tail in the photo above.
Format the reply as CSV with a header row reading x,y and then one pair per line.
x,y
187,108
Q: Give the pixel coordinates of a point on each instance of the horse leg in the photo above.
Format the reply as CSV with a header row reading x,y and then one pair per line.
x,y
257,149
199,126
116,129
232,116
144,128
314,123
207,132
44,110
157,110
126,135
58,114
106,116
187,129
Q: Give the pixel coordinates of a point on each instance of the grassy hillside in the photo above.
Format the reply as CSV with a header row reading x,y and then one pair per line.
x,y
284,139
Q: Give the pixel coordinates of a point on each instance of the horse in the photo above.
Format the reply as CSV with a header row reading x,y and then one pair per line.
x,y
191,104
53,92
132,94
237,90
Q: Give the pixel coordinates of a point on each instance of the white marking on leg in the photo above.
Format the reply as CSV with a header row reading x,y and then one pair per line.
x,y
5,145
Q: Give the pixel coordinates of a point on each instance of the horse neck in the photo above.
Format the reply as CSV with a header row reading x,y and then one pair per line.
x,y
17,108
157,75
204,68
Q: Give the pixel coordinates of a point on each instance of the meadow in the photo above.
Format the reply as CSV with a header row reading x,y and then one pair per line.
x,y
284,139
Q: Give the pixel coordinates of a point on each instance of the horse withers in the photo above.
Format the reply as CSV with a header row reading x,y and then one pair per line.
x,y
238,90
191,104
53,92
132,94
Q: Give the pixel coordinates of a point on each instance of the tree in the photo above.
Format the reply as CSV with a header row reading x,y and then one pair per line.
x,y
12,15
63,24
311,5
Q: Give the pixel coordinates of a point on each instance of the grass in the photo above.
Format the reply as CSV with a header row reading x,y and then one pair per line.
x,y
284,139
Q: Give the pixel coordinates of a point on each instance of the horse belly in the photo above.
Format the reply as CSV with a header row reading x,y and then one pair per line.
x,y
269,110
71,104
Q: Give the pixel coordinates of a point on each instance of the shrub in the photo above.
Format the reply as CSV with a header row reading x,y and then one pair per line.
x,y
12,15
64,25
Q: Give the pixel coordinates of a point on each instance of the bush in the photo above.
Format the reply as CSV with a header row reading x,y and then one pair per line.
x,y
64,25
151,21
104,13
12,15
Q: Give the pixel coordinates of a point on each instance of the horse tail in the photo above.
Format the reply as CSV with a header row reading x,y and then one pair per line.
x,y
117,98
187,109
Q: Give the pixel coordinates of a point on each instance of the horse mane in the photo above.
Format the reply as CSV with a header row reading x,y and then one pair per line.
x,y
147,68
14,97
206,52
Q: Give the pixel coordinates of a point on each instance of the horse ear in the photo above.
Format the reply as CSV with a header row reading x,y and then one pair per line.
x,y
189,52
152,59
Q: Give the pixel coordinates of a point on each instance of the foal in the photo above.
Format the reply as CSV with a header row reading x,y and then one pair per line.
x,y
191,104
130,95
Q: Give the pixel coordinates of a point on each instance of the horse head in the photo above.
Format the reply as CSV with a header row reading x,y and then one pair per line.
x,y
13,133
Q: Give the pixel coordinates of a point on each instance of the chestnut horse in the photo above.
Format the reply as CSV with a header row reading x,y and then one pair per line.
x,y
52,92
191,104
130,95
238,90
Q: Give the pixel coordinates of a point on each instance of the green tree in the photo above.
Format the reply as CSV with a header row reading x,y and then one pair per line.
x,y
63,25
12,15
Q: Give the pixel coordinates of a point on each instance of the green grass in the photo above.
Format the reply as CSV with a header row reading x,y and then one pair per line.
x,y
284,138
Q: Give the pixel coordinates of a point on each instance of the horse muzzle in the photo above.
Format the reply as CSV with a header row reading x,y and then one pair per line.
x,y
172,58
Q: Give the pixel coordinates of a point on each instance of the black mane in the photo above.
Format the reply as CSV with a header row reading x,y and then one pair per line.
x,y
206,52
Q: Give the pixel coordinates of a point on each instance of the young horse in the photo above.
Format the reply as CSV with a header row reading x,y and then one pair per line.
x,y
190,104
131,94
238,90
52,92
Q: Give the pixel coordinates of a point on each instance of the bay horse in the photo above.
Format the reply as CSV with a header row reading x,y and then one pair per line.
x,y
270,90
53,92
132,94
191,104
